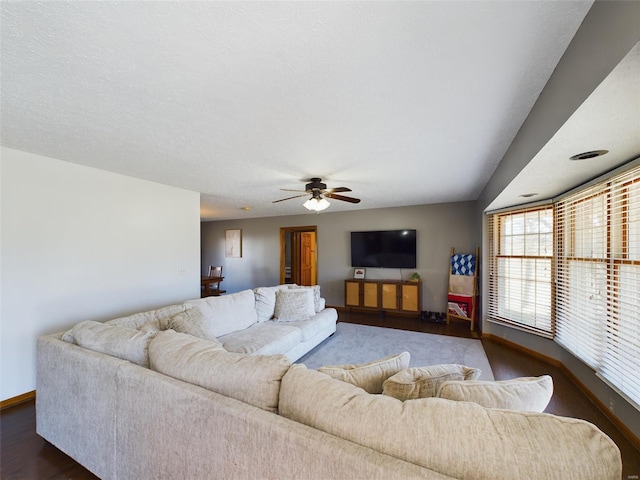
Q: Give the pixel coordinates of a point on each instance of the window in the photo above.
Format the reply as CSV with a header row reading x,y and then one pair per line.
x,y
521,253
592,307
598,280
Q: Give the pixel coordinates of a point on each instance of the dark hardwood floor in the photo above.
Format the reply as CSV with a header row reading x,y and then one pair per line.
x,y
25,455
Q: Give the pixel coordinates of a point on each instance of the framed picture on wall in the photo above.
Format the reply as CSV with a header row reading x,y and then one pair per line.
x,y
358,273
233,243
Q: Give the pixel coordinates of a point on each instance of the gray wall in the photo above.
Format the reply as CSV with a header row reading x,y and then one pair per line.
x,y
607,34
439,227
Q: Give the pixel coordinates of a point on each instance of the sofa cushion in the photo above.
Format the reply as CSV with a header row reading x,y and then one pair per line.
x,y
251,379
524,394
422,382
266,338
157,319
294,304
121,342
318,304
194,322
369,376
150,321
265,298
458,439
227,313
319,322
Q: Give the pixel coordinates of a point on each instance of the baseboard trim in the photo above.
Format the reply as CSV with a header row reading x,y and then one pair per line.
x,y
10,402
372,311
557,363
528,351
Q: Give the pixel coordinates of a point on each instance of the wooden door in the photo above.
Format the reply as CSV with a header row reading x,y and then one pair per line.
x,y
308,274
298,255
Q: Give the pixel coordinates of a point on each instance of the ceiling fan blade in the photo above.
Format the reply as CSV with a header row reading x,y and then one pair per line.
x,y
290,198
290,190
337,189
342,197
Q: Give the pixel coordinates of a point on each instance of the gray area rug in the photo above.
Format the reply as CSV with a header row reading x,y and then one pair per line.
x,y
354,344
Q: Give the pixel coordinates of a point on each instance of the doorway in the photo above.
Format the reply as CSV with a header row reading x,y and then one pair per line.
x,y
298,255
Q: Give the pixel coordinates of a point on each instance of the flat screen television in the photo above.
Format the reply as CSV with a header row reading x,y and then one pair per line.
x,y
384,249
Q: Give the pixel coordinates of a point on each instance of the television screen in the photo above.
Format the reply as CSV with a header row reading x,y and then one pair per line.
x,y
384,249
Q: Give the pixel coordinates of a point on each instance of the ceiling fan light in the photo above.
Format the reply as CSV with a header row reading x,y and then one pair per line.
x,y
316,204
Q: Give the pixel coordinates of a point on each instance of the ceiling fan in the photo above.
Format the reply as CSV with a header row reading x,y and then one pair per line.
x,y
319,194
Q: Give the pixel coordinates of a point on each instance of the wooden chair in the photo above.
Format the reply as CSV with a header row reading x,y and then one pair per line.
x,y
214,287
462,297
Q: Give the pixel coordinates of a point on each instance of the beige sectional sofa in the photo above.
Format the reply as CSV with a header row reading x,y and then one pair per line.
x,y
137,399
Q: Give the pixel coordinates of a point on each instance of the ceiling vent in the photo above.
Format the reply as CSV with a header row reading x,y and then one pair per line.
x,y
587,155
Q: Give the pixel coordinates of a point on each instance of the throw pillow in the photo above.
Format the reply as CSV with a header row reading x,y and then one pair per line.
x,y
121,342
294,304
369,376
423,382
193,322
316,296
525,394
266,301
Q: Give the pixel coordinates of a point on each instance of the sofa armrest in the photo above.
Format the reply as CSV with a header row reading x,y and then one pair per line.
x,y
76,397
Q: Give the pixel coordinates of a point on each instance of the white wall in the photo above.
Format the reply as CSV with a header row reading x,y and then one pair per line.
x,y
439,227
79,243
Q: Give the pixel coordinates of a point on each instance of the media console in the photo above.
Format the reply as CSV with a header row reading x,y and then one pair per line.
x,y
389,296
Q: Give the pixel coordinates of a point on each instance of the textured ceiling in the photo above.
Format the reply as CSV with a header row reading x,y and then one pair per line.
x,y
406,103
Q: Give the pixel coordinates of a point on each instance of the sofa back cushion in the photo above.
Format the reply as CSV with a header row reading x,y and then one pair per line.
x,y
121,342
525,394
459,439
227,313
149,321
251,379
157,319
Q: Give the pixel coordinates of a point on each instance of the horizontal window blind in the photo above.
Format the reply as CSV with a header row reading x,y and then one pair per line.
x,y
597,303
520,269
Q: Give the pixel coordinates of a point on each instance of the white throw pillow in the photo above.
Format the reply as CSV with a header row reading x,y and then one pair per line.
x,y
266,301
293,305
194,322
423,382
121,342
369,376
525,394
317,303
